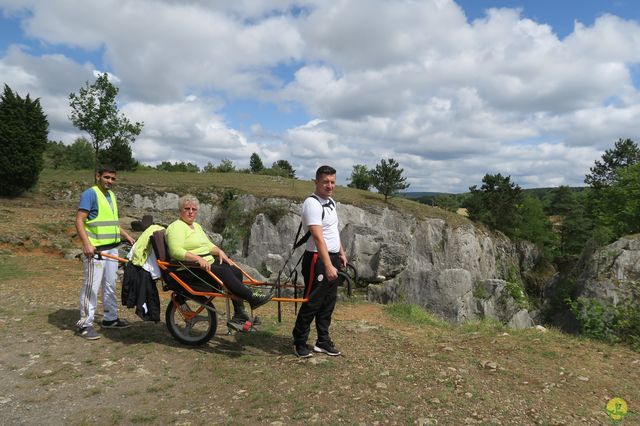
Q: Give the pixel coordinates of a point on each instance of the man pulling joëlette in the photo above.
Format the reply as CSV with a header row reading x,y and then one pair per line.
x,y
98,228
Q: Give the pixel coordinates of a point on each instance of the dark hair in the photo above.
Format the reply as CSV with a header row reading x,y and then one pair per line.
x,y
325,170
105,168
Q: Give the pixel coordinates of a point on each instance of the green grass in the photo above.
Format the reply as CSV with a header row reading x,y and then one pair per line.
x,y
485,325
258,185
413,314
9,269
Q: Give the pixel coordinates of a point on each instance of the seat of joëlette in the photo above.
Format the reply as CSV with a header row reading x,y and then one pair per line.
x,y
161,250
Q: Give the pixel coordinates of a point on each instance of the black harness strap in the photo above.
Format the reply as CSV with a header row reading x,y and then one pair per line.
x,y
306,236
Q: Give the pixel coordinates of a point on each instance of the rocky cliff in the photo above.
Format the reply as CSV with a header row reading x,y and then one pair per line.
x,y
458,271
612,274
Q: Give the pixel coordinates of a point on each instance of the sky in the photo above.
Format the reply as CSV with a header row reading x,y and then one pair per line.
x,y
452,90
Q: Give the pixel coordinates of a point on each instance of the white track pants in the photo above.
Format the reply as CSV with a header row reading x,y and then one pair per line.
x,y
98,273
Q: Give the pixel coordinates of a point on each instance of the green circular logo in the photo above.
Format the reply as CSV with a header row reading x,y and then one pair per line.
x,y
617,408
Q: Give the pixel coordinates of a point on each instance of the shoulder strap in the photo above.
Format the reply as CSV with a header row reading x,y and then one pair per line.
x,y
298,242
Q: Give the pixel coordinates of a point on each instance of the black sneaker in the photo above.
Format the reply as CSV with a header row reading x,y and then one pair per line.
x,y
302,351
258,299
326,348
88,333
241,317
116,323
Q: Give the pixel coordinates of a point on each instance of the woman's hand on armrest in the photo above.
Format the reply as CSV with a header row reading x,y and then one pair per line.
x,y
199,260
221,255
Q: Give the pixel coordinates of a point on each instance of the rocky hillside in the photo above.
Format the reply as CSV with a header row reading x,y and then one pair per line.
x,y
457,271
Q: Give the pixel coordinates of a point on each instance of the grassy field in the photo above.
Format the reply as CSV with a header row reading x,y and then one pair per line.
x,y
400,365
261,186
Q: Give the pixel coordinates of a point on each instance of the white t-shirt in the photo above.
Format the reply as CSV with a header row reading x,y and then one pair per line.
x,y
312,215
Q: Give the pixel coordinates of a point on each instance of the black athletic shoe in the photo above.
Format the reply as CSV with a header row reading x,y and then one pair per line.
x,y
116,323
88,333
241,317
302,351
326,348
258,299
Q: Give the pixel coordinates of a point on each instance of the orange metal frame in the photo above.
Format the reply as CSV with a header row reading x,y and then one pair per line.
x,y
211,295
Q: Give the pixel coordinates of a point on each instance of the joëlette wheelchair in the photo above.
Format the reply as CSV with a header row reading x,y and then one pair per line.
x,y
191,316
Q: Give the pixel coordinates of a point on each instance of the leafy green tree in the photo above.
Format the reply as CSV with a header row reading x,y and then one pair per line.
x,y
387,178
275,171
613,180
497,203
119,155
285,166
24,130
94,111
167,166
536,227
562,201
621,202
226,166
447,202
80,155
575,228
604,173
56,155
360,177
255,163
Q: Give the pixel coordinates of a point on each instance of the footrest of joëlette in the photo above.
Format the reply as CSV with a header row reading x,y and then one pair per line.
x,y
240,326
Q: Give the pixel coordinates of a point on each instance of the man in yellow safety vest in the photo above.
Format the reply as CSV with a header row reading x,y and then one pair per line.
x,y
98,228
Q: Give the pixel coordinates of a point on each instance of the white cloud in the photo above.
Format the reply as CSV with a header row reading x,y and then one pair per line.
x,y
449,99
187,131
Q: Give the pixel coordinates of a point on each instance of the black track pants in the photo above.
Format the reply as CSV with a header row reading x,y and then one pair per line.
x,y
322,299
230,275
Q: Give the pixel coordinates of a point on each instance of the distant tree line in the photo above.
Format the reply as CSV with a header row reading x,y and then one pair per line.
x,y
81,155
563,220
279,168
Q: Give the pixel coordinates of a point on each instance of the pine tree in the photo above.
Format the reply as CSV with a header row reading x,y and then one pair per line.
x,y
24,130
497,203
387,178
255,163
360,177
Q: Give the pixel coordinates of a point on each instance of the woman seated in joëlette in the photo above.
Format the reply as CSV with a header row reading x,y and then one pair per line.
x,y
187,241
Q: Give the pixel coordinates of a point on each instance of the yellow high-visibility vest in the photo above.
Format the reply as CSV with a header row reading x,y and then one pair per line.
x,y
104,228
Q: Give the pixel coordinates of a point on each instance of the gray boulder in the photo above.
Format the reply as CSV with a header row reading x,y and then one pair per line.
x,y
612,275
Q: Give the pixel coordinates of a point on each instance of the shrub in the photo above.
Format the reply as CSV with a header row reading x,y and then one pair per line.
x,y
597,320
609,323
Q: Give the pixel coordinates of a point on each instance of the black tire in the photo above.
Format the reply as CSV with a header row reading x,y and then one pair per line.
x,y
352,272
347,282
197,331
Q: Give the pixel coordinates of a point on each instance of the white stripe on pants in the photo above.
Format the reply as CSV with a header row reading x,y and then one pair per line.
x,y
98,273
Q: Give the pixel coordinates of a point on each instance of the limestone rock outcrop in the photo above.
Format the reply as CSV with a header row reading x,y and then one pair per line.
x,y
612,275
457,271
